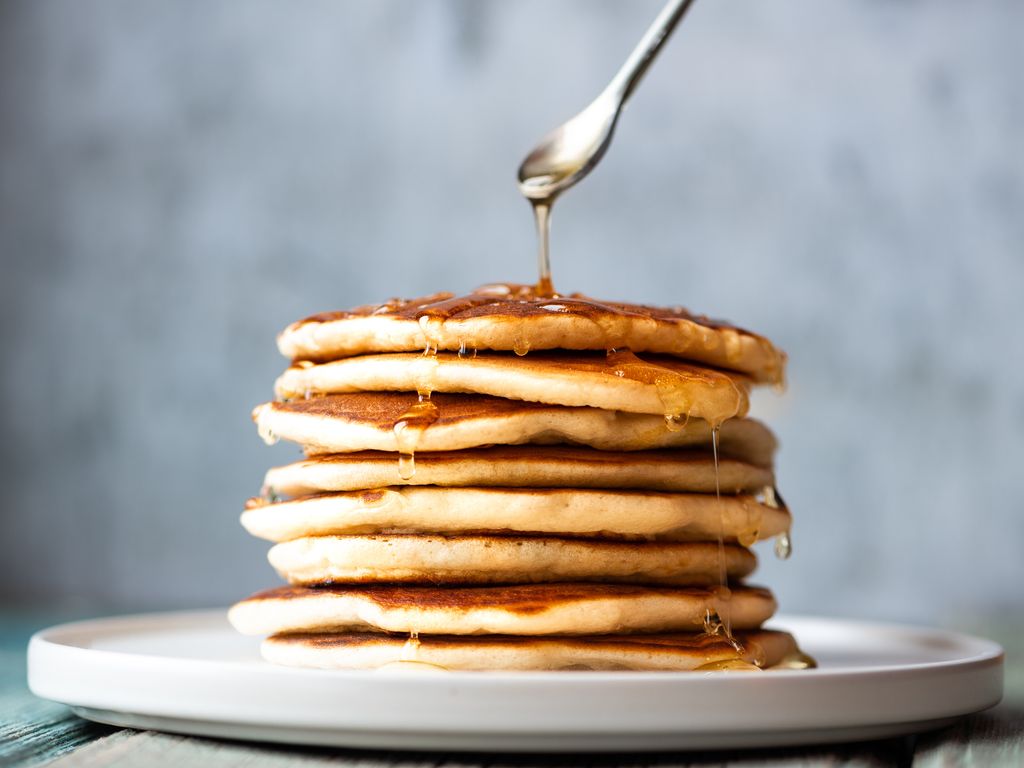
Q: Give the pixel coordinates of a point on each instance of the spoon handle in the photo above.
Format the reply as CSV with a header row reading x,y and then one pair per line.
x,y
630,74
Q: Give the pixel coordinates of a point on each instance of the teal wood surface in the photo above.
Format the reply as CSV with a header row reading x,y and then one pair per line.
x,y
34,732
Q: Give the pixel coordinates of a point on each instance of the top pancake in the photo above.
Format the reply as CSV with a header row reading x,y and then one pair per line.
x,y
508,317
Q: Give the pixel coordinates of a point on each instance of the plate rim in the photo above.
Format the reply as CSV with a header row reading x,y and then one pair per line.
x,y
989,652
981,668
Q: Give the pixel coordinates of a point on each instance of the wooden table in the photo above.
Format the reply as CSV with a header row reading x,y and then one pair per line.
x,y
35,732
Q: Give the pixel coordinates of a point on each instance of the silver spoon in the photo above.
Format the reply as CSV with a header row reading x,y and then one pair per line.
x,y
568,153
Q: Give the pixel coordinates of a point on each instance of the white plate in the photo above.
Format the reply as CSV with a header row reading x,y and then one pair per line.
x,y
192,673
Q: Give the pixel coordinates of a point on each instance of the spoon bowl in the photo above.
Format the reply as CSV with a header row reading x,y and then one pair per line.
x,y
571,151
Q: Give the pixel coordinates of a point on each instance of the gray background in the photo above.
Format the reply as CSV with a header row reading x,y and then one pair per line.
x,y
180,180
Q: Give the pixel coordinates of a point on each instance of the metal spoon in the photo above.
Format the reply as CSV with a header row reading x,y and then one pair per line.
x,y
568,153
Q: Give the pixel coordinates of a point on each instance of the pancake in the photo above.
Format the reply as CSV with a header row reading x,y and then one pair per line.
x,y
506,317
676,652
421,559
532,466
366,421
619,381
571,511
533,609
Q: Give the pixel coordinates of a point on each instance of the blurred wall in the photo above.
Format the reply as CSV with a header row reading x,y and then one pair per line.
x,y
180,180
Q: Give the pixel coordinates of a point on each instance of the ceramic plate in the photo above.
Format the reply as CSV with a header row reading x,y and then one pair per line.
x,y
192,673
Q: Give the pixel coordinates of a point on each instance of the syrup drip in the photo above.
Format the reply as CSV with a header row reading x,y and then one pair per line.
x,y
668,384
728,665
783,546
408,430
542,217
723,586
675,424
771,497
430,338
796,660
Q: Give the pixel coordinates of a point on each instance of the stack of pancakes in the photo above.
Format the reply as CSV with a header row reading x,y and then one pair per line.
x,y
508,480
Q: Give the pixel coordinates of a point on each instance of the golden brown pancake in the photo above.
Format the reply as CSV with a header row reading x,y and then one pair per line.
x,y
587,512
421,559
619,381
531,609
676,652
533,466
365,421
506,317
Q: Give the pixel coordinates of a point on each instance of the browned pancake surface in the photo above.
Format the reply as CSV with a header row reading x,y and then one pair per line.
x,y
517,302
383,409
546,454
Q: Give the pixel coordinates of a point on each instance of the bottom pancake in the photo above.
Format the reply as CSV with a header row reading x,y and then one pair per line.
x,y
678,652
531,609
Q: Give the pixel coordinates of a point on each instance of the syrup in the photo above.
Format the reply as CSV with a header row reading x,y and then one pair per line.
x,y
429,324
723,587
783,546
728,665
408,430
676,423
796,660
542,217
771,497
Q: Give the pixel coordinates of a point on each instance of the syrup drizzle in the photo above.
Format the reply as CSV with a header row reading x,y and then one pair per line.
x,y
783,546
674,389
714,623
724,593
542,216
796,660
408,430
465,351
783,542
728,665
